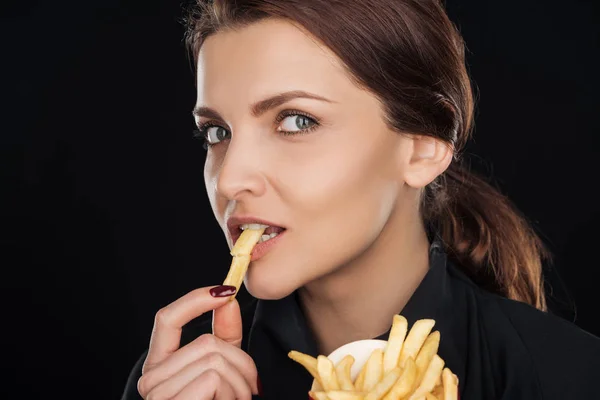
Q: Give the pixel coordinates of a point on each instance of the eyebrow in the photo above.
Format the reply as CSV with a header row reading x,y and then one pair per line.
x,y
262,106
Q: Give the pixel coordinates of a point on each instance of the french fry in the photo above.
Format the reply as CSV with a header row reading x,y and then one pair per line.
x,y
391,354
237,271
318,395
450,385
344,395
438,392
434,370
359,382
316,386
384,386
245,243
374,370
406,383
430,396
415,339
308,362
327,374
342,372
429,349
241,251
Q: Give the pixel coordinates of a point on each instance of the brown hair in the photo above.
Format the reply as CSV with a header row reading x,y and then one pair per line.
x,y
410,55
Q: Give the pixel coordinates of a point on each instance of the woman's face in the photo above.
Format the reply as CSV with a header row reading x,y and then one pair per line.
x,y
295,144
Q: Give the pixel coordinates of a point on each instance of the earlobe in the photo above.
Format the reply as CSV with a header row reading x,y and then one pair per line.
x,y
430,157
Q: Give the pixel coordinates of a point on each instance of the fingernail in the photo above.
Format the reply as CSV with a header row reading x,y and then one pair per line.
x,y
222,291
259,386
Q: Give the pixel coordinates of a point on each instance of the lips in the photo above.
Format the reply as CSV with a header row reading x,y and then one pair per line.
x,y
265,246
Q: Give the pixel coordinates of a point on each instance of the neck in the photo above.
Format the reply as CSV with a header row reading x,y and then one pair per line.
x,y
357,301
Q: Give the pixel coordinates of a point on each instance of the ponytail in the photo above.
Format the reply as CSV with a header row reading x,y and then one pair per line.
x,y
486,236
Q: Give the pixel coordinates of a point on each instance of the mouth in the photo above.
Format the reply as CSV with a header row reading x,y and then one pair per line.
x,y
269,233
237,225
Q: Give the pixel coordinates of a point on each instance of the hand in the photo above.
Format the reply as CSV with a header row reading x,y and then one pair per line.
x,y
213,366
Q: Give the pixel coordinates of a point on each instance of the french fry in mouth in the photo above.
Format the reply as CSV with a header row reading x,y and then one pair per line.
x,y
248,239
241,252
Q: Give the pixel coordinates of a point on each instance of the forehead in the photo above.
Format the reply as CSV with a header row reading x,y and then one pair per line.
x,y
269,56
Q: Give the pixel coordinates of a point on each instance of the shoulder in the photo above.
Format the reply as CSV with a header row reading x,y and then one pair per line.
x,y
190,332
552,340
564,359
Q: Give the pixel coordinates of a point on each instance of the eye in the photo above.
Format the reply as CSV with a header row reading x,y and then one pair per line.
x,y
214,134
296,123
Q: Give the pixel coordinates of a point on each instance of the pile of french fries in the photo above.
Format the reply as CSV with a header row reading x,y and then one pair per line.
x,y
408,368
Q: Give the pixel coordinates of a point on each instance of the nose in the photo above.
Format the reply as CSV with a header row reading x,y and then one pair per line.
x,y
241,172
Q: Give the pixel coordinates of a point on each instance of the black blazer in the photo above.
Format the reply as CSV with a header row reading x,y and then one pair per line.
x,y
499,348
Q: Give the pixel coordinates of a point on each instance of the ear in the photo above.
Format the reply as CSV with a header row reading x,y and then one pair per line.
x,y
428,158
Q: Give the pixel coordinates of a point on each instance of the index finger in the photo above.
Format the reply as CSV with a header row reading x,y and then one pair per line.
x,y
166,333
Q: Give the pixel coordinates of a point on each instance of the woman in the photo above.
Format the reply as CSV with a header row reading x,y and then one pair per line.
x,y
340,125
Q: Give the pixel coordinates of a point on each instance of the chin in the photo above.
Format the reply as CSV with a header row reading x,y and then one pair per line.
x,y
268,287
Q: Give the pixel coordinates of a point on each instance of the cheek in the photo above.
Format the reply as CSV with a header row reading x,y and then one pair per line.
x,y
347,195
210,182
352,174
337,200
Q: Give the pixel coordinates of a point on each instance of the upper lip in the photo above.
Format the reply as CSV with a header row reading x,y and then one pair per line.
x,y
234,222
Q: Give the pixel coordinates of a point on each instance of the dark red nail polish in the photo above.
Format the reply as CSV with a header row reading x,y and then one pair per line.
x,y
259,386
222,291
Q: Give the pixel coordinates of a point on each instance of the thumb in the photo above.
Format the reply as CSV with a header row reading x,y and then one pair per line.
x,y
227,323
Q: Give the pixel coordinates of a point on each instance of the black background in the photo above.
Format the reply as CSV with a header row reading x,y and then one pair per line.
x,y
104,213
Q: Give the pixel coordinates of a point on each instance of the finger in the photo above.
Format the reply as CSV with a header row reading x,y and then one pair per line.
x,y
214,361
208,386
194,351
227,323
166,333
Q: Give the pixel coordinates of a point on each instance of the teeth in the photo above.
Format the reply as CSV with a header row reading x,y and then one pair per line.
x,y
264,238
253,226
